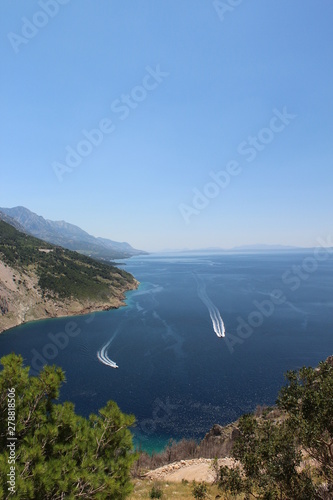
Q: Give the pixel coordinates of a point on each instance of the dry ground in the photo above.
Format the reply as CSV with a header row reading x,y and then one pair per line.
x,y
199,469
176,479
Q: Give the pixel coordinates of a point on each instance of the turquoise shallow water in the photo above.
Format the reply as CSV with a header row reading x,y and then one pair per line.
x,y
175,374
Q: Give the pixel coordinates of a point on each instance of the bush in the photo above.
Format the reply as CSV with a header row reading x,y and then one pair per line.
x,y
199,490
156,492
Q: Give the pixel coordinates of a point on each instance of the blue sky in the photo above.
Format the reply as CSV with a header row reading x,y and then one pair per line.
x,y
196,86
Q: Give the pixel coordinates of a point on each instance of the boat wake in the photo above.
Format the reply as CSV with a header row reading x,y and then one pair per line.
x,y
214,313
103,357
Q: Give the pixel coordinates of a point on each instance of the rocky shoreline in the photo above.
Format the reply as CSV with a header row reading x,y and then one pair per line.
x,y
23,300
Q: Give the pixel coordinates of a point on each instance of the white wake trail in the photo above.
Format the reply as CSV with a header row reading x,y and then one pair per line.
x,y
102,355
214,313
220,323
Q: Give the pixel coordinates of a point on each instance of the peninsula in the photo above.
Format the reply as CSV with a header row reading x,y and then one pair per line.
x,y
41,280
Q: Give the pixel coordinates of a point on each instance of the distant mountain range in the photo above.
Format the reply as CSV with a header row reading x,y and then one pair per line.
x,y
244,248
263,248
66,235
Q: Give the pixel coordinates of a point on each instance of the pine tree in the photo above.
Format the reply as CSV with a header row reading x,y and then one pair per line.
x,y
59,454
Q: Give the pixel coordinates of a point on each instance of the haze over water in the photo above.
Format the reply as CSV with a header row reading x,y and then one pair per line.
x,y
175,373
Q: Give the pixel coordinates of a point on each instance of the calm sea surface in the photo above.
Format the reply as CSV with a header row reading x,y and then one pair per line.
x,y
175,374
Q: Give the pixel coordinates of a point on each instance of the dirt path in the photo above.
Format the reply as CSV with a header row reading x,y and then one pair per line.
x,y
199,469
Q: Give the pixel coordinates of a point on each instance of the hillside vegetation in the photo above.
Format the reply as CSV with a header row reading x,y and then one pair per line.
x,y
35,274
67,235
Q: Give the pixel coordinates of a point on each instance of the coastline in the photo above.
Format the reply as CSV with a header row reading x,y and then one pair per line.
x,y
67,312
25,302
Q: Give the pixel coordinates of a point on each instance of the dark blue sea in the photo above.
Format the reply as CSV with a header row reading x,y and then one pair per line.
x,y
176,375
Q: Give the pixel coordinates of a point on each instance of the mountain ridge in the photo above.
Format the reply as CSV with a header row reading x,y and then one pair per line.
x,y
6,218
69,235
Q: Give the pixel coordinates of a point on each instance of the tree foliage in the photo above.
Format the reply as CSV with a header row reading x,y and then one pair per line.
x,y
58,453
270,453
308,400
270,459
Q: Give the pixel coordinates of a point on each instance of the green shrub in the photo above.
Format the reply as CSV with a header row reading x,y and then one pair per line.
x,y
199,490
156,492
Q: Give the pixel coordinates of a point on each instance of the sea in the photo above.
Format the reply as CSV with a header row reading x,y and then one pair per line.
x,y
204,339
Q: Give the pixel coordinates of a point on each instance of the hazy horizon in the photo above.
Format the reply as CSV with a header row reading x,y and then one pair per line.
x,y
170,124
255,246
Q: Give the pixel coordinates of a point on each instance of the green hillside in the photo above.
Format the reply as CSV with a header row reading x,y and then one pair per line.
x,y
62,273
